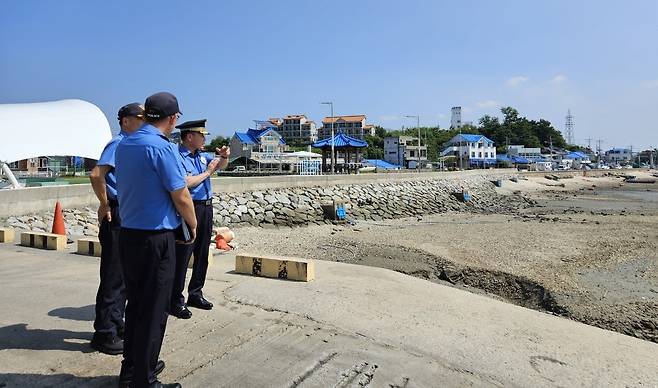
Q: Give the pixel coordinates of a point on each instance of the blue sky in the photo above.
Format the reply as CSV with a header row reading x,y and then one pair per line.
x,y
235,61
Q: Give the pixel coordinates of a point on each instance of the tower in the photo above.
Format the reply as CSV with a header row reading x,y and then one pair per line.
x,y
568,126
456,117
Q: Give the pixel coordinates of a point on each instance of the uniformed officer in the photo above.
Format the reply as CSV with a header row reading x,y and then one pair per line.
x,y
153,196
199,167
111,296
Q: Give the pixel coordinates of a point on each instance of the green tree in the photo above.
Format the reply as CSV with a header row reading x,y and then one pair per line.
x,y
218,142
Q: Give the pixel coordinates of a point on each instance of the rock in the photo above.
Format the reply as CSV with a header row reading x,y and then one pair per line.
x,y
241,209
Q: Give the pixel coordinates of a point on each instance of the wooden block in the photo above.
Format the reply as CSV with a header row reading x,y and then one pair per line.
x,y
42,240
275,267
89,246
6,235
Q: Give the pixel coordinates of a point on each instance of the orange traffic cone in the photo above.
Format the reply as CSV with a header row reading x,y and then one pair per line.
x,y
58,221
221,244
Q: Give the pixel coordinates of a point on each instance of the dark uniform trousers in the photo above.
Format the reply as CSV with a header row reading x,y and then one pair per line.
x,y
111,296
148,258
200,249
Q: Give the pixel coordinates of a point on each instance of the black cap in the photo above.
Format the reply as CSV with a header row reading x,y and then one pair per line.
x,y
194,126
134,109
161,105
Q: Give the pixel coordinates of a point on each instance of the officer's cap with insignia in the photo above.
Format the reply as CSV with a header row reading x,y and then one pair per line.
x,y
194,126
134,109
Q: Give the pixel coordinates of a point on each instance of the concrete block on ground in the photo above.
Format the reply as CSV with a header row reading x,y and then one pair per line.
x,y
89,247
43,240
279,267
6,235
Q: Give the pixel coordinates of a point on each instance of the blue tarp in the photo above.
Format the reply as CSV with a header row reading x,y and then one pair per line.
x,y
520,160
381,164
576,155
513,159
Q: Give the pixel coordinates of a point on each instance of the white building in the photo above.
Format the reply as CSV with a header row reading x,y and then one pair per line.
x,y
403,151
471,150
618,156
532,154
456,117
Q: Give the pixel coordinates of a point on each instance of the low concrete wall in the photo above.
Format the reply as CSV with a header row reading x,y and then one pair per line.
x,y
39,199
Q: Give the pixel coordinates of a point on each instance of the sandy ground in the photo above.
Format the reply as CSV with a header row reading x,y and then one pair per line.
x,y
587,251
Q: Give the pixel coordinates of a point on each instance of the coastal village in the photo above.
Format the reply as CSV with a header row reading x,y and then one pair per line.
x,y
296,145
328,194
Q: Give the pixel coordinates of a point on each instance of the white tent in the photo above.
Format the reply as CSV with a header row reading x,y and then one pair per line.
x,y
57,128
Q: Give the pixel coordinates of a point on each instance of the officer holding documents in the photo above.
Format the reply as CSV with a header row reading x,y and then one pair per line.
x,y
199,167
154,200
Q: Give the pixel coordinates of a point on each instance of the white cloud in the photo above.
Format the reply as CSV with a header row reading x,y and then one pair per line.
x,y
517,80
487,104
650,84
558,79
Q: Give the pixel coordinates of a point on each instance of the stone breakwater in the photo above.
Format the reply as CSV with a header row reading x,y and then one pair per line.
x,y
298,206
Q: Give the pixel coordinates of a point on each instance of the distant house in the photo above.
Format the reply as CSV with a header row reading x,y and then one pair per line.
x,y
51,166
264,145
618,156
296,128
471,150
532,154
404,151
352,125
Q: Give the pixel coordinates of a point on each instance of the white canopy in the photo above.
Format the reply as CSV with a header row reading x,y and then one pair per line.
x,y
57,128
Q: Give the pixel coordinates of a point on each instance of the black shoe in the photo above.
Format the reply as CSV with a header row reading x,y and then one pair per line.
x,y
181,312
199,302
125,380
172,385
112,346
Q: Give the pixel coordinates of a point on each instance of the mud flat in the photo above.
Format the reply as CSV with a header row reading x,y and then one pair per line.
x,y
588,249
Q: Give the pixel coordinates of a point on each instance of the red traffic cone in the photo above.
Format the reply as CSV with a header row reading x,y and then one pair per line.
x,y
58,221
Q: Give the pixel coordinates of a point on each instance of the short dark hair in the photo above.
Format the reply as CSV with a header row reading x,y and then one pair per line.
x,y
183,134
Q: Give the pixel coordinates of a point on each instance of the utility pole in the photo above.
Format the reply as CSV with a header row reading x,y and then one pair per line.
x,y
598,148
333,162
589,143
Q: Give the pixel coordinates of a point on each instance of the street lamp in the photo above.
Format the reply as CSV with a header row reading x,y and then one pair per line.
x,y
418,127
332,134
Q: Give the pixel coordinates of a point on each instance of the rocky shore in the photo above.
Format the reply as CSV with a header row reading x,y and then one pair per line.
x,y
303,206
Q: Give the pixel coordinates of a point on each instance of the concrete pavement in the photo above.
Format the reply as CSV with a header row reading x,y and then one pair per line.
x,y
352,326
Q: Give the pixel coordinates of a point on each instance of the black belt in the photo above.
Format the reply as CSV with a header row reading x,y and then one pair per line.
x,y
206,202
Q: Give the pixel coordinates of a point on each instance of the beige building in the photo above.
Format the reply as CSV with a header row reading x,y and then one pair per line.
x,y
296,129
404,151
353,125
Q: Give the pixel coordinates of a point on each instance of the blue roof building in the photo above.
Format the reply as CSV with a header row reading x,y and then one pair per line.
x,y
261,145
471,150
